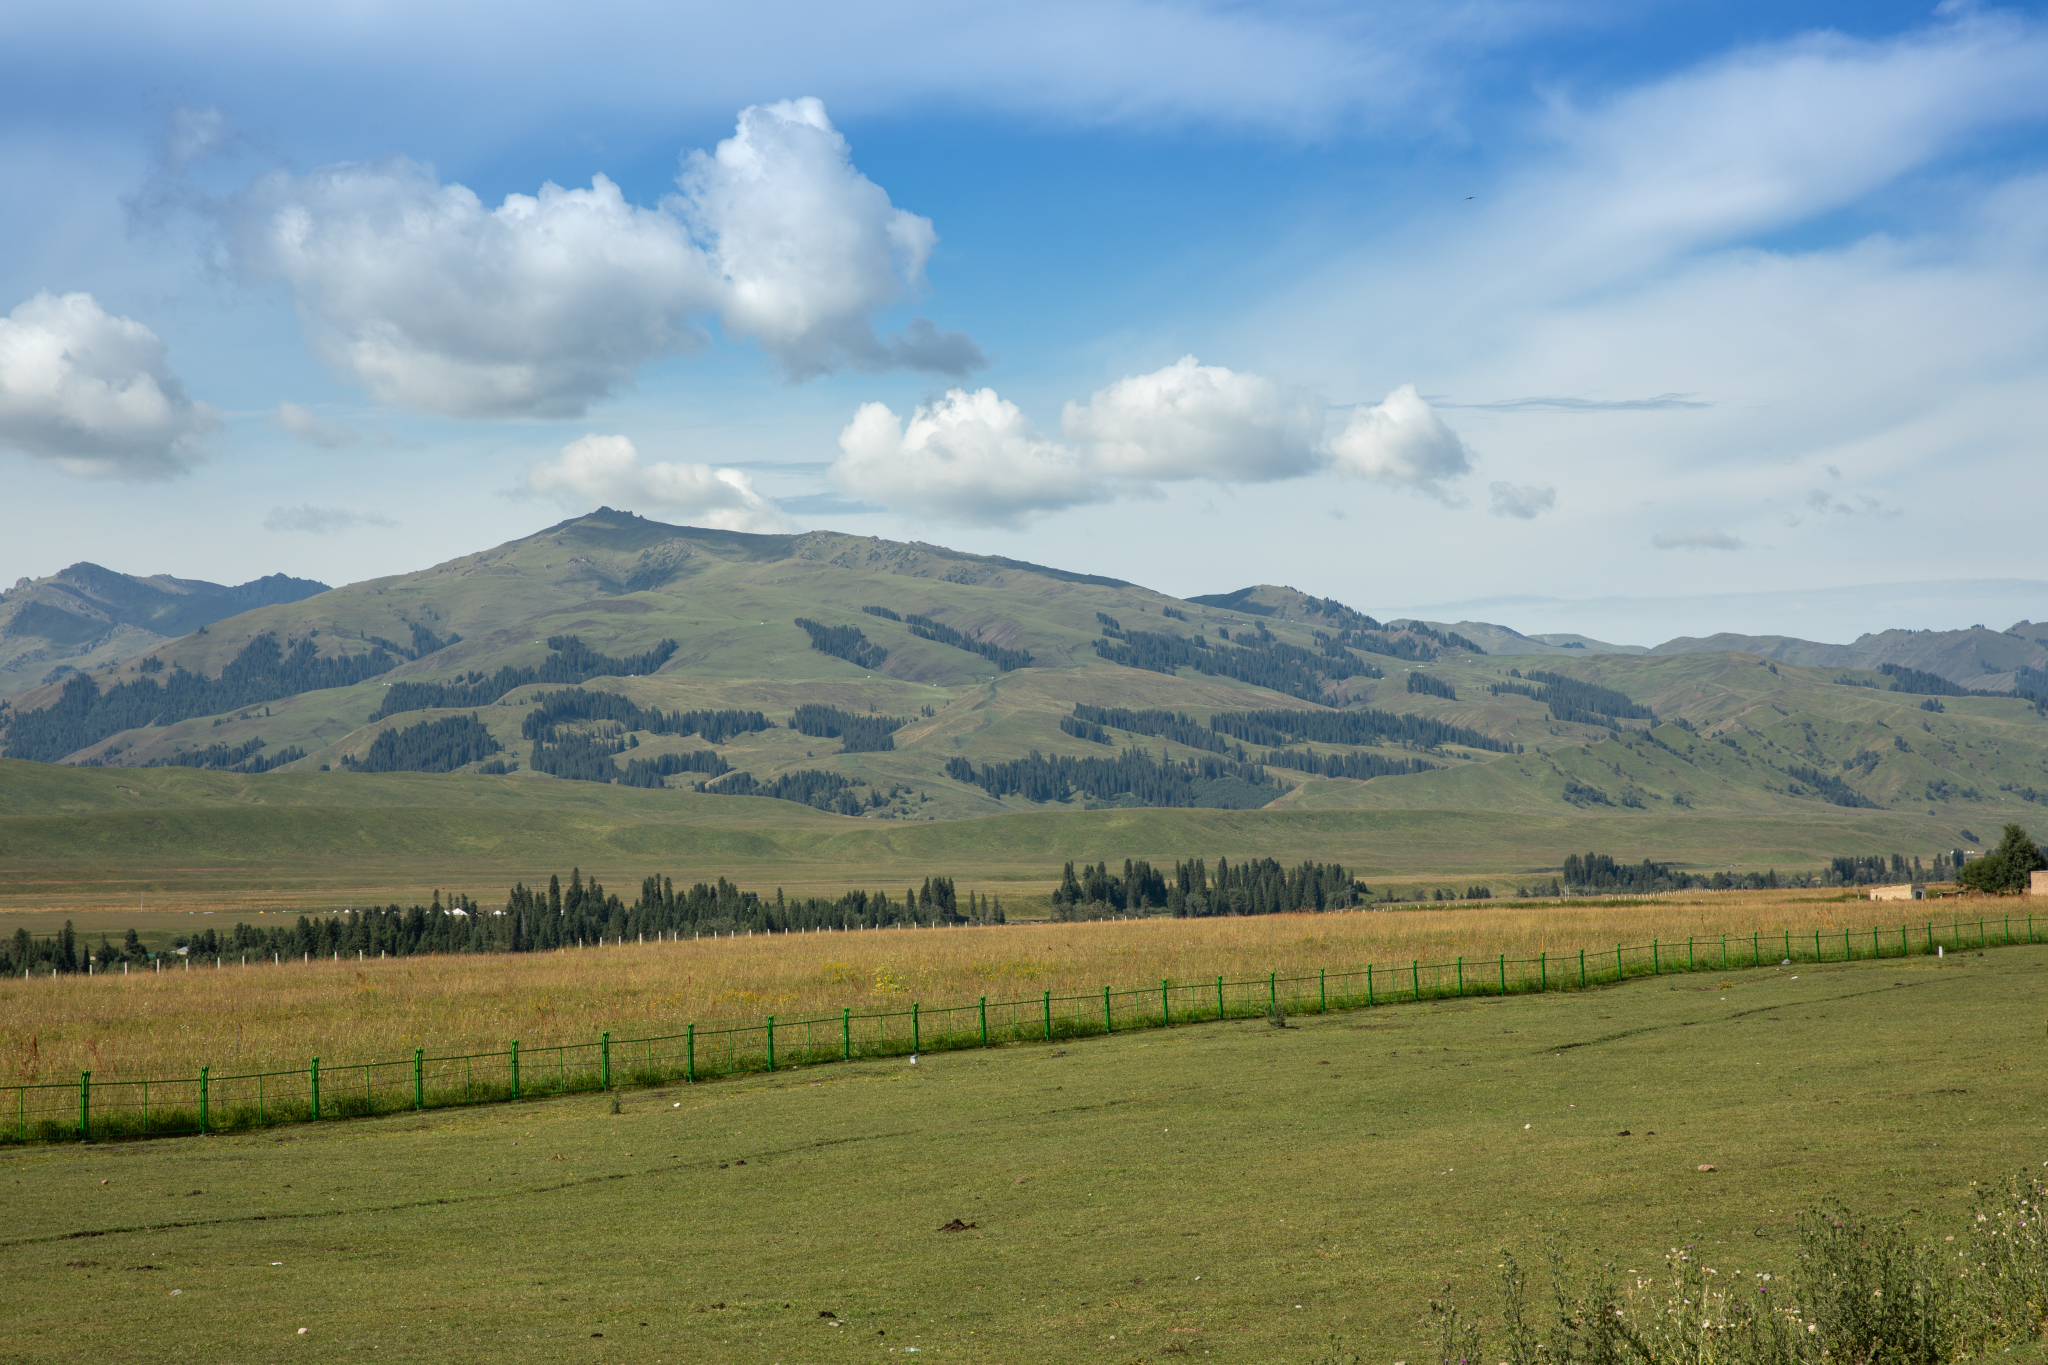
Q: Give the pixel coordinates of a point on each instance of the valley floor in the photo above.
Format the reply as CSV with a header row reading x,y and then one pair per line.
x,y
1226,1192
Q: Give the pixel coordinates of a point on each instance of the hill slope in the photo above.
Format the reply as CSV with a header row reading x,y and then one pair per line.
x,y
87,617
933,684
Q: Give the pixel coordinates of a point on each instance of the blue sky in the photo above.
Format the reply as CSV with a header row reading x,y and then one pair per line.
x,y
1639,320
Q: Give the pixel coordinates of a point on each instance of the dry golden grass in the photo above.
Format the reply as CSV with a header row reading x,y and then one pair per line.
x,y
239,1019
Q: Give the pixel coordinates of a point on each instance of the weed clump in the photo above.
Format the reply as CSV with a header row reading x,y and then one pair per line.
x,y
1856,1290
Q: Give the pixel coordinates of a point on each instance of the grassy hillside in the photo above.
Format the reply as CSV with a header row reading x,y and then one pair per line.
x,y
1748,760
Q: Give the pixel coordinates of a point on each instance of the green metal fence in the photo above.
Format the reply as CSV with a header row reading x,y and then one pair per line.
x,y
89,1109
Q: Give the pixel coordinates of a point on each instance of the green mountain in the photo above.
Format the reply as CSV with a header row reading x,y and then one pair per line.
x,y
87,617
878,680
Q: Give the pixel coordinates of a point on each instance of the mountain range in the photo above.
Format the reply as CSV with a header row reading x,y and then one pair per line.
x,y
908,681
87,617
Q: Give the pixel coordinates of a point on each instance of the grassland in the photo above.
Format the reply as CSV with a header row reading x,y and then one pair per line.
x,y
97,841
1218,1192
264,1016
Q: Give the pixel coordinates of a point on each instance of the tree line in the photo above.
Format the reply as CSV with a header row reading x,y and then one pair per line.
x,y
233,758
1258,886
1263,661
844,642
569,661
263,671
1362,767
1005,660
1354,727
1088,723
1430,686
815,787
855,732
1216,783
1600,873
1574,702
576,703
432,746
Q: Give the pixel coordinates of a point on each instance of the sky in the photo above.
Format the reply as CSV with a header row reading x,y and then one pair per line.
x,y
1636,320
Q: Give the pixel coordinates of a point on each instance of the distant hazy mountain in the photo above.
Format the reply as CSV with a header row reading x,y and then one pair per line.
x,y
1981,659
87,616
1499,639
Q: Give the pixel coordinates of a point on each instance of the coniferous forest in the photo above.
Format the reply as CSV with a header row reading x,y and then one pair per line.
x,y
844,642
569,661
264,671
856,733
1217,783
432,746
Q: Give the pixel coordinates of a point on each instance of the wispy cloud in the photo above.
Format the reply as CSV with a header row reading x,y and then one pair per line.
x,y
313,429
322,521
1523,501
1699,538
1662,402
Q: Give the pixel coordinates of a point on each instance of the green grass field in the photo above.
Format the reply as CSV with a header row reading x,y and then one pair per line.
x,y
1223,1192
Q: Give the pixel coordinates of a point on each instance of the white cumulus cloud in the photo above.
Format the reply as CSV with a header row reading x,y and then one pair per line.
x,y
1403,443
607,469
972,458
314,429
1699,538
975,458
91,392
1195,421
1521,500
436,302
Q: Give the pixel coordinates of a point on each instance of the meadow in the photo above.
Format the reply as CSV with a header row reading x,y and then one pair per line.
x,y
1217,1192
263,1016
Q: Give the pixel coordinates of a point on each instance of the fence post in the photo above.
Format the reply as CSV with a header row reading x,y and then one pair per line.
x,y
1322,990
771,1039
1788,944
1617,962
1503,973
1656,967
1688,952
1582,969
1756,953
1543,969
1107,1025
1461,978
203,1114
1816,945
85,1105
1368,985
604,1052
690,1054
313,1078
1219,997
1165,1003
984,1021
515,1068
846,1032
1415,975
1272,992
1048,1016
419,1078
